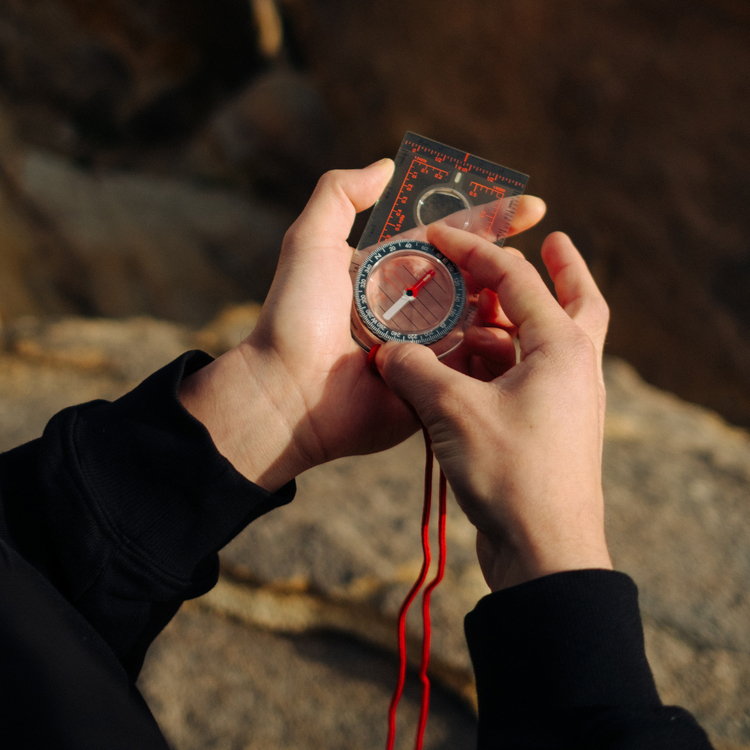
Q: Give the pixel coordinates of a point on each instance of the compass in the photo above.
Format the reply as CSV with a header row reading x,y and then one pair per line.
x,y
408,291
405,289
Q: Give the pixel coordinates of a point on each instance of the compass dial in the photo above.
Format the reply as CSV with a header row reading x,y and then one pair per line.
x,y
408,290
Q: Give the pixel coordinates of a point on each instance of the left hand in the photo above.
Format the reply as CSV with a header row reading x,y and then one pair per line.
x,y
298,392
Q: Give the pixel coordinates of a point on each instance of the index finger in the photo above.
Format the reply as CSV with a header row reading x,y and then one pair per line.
x,y
521,291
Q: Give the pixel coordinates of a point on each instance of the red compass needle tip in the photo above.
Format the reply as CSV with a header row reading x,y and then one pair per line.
x,y
414,288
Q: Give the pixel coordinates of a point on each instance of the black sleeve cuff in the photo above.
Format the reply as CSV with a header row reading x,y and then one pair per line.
x,y
569,639
137,502
545,649
560,664
142,478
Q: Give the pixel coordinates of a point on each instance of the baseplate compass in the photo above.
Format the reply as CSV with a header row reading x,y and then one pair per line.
x,y
405,289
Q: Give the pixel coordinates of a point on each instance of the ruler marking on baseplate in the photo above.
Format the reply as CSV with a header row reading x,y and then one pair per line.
x,y
422,165
397,216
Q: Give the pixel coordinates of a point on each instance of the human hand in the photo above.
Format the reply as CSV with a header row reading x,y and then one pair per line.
x,y
298,392
520,443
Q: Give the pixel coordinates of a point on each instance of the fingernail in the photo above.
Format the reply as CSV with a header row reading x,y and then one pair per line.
x,y
371,357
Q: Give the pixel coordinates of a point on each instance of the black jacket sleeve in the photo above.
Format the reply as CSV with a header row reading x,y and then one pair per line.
x,y
60,684
123,507
560,663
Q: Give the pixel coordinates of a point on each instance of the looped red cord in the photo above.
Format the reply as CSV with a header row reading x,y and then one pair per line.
x,y
427,559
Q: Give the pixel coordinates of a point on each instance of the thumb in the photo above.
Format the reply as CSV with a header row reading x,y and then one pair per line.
x,y
415,375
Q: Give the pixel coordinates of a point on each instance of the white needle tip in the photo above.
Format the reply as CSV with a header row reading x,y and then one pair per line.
x,y
396,307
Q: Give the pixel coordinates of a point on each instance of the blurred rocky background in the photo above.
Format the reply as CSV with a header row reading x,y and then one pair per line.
x,y
152,154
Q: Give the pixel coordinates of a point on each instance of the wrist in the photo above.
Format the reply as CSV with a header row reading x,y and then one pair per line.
x,y
249,411
505,565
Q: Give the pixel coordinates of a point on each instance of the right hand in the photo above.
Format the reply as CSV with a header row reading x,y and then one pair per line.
x,y
522,451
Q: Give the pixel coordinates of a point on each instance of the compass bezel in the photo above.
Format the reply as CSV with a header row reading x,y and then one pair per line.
x,y
384,332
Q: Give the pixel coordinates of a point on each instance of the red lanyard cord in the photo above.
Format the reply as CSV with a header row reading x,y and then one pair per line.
x,y
427,559
424,710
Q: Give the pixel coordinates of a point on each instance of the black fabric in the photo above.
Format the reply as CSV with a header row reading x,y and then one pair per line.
x,y
115,516
560,663
60,684
107,524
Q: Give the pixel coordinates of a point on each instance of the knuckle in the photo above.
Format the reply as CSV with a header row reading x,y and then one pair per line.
x,y
573,345
406,366
291,233
334,184
449,403
524,270
601,310
582,348
331,179
295,235
396,361
399,355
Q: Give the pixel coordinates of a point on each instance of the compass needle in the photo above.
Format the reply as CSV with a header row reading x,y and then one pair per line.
x,y
410,293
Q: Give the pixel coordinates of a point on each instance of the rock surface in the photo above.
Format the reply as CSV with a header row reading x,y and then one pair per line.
x,y
121,244
339,559
216,683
